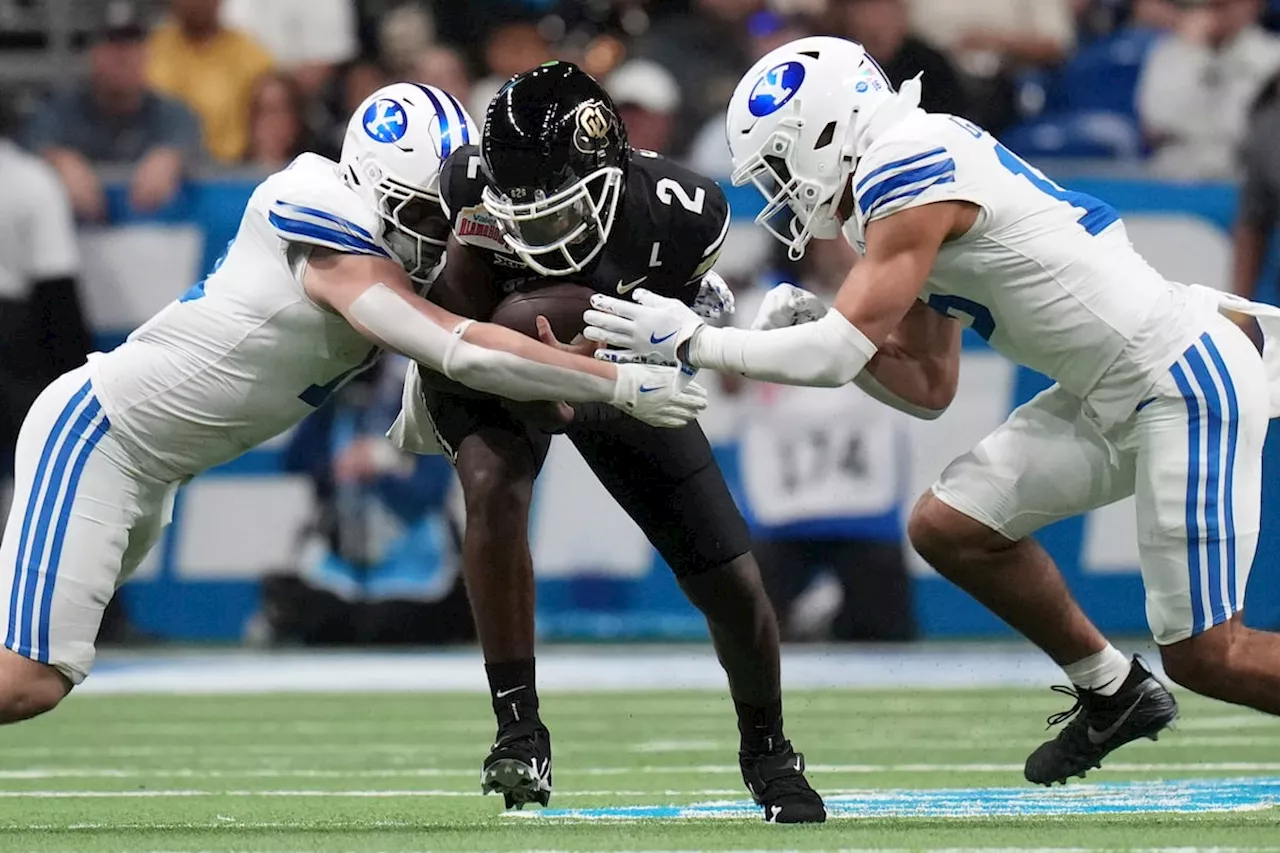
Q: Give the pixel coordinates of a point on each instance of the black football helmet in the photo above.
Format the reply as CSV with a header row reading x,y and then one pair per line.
x,y
554,153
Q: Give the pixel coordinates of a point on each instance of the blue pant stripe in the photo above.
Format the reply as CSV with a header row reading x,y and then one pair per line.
x,y
1213,484
1233,436
60,535
55,434
1193,496
57,479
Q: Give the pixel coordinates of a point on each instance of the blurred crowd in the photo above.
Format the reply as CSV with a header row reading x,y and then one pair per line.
x,y
245,83
157,90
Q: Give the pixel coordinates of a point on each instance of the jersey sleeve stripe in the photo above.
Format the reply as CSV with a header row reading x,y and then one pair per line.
x,y
715,245
442,119
324,236
898,164
909,193
900,181
297,210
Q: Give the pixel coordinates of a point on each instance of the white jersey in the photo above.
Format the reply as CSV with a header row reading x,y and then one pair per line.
x,y
1046,275
245,354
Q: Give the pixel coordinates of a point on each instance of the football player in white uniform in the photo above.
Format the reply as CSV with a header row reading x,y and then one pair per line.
x,y
1157,394
324,271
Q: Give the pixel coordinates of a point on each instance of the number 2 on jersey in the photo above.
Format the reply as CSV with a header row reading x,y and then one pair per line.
x,y
668,190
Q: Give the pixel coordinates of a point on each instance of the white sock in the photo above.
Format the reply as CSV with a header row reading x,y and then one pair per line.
x,y
1103,672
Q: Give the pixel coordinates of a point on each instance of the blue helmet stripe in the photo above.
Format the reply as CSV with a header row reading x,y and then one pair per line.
x,y
446,130
462,117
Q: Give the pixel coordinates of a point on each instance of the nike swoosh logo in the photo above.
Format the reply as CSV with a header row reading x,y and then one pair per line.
x,y
503,693
654,339
624,289
645,389
1097,738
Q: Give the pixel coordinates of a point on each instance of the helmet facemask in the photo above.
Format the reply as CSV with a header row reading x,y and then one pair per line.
x,y
417,227
561,233
796,209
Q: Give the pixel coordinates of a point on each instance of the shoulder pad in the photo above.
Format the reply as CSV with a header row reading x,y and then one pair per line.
x,y
900,174
461,181
309,203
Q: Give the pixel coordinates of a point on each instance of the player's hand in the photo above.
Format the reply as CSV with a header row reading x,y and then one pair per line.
x,y
659,396
578,346
715,299
788,305
652,329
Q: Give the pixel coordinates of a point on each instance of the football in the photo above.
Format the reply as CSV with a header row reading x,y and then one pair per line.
x,y
563,303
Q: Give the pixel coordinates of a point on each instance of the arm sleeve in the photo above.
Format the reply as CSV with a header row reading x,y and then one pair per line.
x,y
827,353
406,330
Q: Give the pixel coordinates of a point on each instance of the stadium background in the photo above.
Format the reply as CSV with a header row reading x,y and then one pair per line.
x,y
185,743
1078,116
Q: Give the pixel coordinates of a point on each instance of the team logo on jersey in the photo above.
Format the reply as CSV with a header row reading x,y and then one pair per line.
x,y
385,120
778,86
591,133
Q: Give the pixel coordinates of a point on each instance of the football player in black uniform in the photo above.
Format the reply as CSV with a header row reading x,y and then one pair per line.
x,y
554,190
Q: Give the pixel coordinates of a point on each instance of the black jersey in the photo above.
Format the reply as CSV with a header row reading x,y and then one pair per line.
x,y
667,234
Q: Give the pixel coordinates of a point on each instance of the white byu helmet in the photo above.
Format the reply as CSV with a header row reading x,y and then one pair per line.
x,y
797,126
395,144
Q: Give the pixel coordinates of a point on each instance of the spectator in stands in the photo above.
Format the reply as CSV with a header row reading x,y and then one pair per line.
x,y
648,99
824,480
404,34
706,50
309,38
211,68
1259,214
42,327
444,68
884,27
510,49
351,84
1196,87
277,126
114,118
995,43
987,35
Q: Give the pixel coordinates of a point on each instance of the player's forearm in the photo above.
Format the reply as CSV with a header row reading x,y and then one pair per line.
x,y
922,388
827,353
487,358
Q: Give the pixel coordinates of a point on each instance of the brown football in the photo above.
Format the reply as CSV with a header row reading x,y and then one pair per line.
x,y
562,303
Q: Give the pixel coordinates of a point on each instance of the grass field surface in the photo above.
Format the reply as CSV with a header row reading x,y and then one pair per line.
x,y
654,771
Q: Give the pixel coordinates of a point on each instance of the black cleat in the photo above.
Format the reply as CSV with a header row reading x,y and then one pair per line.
x,y
519,765
777,784
1101,724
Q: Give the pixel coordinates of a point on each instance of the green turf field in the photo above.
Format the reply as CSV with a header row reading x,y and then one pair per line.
x,y
399,773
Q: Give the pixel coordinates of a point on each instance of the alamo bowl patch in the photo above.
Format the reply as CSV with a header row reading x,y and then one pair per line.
x,y
477,227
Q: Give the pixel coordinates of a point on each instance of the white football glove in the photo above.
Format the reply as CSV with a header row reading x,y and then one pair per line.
x,y
788,305
715,299
649,330
659,396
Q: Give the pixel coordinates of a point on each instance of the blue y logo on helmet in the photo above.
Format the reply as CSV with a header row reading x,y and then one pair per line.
x,y
385,120
772,91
